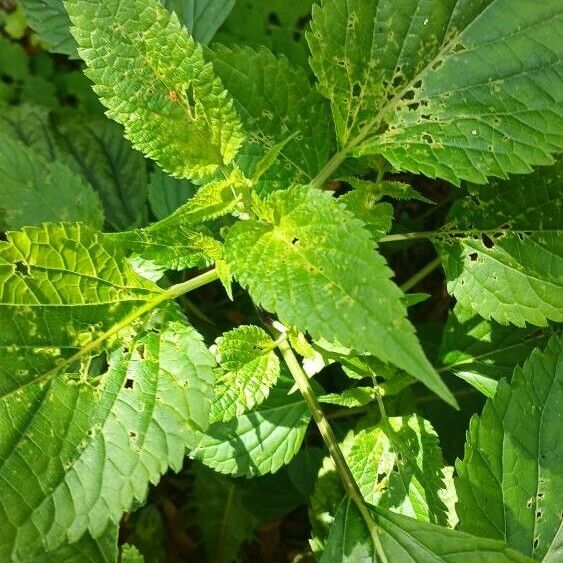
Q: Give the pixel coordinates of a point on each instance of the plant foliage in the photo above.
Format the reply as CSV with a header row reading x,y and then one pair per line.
x,y
253,257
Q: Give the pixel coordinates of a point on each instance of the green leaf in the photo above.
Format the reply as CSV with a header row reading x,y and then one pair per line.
x,y
311,262
35,190
386,188
377,216
60,287
176,248
248,369
507,261
213,200
202,18
481,352
510,479
130,554
277,24
407,540
398,465
229,510
102,549
86,550
106,439
152,77
276,100
49,20
166,194
455,90
259,441
95,149
350,398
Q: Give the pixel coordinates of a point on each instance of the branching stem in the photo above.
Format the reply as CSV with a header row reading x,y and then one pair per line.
x,y
342,468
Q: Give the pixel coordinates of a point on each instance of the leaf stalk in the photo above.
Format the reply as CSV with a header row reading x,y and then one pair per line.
x,y
342,468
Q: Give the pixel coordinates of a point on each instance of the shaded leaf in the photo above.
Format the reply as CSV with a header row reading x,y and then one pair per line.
x,y
481,352
35,190
510,479
259,441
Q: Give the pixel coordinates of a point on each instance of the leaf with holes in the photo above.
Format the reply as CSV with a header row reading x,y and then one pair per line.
x,y
105,440
60,287
455,90
276,100
506,263
510,479
173,107
310,261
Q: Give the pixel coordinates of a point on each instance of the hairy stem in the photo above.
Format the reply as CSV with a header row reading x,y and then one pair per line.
x,y
171,293
421,274
342,468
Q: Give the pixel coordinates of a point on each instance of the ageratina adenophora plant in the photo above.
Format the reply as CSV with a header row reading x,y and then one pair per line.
x,y
369,191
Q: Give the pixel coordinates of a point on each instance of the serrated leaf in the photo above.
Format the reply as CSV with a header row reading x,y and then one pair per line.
x,y
311,262
259,441
398,465
276,100
166,194
176,248
377,216
104,439
509,482
451,89
212,200
201,17
35,190
59,288
507,261
174,109
130,554
248,369
386,188
95,149
407,540
481,352
277,24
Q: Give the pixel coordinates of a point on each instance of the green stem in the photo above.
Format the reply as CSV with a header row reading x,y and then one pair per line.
x,y
342,468
410,236
421,274
171,293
